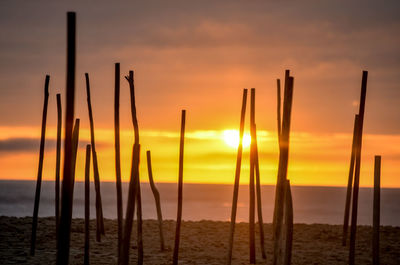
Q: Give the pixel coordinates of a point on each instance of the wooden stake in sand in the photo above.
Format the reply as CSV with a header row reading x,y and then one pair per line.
x,y
68,178
40,168
75,140
353,229
237,178
350,183
376,211
288,225
133,184
278,106
87,204
118,156
58,163
252,243
258,189
139,221
180,188
282,171
157,200
99,208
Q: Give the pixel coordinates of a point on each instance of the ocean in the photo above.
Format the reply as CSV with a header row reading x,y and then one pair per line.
x,y
205,202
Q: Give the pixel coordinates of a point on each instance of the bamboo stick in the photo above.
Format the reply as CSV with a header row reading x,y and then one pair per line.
x,y
376,211
279,184
67,183
157,200
40,168
252,243
87,204
118,156
237,178
180,187
282,170
99,208
288,225
353,229
58,163
350,183
258,189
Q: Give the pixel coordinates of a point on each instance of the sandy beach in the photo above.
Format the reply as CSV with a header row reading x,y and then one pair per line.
x,y
203,242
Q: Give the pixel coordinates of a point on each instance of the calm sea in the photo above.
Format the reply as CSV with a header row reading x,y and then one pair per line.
x,y
205,202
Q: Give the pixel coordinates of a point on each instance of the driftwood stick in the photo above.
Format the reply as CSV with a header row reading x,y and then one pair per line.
x,y
282,171
237,178
75,140
180,188
40,168
118,156
58,163
288,225
67,183
258,189
139,222
353,229
350,183
99,208
252,241
278,106
157,200
87,204
376,211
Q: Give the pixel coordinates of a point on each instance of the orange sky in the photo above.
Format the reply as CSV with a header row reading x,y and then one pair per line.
x,y
199,56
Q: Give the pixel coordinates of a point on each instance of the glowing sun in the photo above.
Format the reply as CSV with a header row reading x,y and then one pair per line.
x,y
231,138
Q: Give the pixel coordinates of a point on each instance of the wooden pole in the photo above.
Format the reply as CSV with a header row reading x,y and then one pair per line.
x,y
40,168
87,204
353,229
350,183
99,208
258,189
58,163
180,187
67,183
139,222
288,225
118,156
134,181
282,171
252,242
237,178
157,200
279,184
376,211
75,140
278,106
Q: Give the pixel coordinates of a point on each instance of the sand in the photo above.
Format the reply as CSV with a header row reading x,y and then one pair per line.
x,y
203,242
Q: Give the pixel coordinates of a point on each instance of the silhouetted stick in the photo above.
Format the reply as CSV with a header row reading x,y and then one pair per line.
x,y
130,208
258,189
75,140
376,211
58,163
87,204
68,178
237,178
99,207
139,222
157,200
278,106
288,225
252,241
118,157
180,187
279,184
282,170
350,183
40,168
134,180
353,229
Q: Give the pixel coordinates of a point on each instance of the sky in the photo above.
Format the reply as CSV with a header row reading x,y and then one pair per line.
x,y
198,56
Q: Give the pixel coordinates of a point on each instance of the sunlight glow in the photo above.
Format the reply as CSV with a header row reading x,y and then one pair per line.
x,y
231,138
